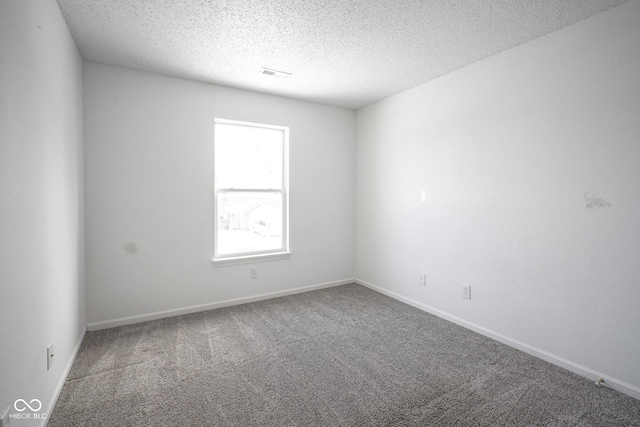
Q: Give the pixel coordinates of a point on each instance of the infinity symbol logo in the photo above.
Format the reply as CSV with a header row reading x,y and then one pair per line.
x,y
26,405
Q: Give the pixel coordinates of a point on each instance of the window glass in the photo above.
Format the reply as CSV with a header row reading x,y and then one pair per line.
x,y
251,157
249,222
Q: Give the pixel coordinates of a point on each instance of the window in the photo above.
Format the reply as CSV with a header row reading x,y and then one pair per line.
x,y
251,200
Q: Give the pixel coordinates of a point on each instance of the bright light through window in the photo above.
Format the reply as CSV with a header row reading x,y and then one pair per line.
x,y
250,183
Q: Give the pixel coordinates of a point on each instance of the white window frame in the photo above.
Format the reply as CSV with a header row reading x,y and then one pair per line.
x,y
257,256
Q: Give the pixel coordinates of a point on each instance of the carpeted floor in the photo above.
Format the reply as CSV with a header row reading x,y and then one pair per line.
x,y
343,356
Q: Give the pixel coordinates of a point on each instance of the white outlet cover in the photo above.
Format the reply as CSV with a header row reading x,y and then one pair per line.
x,y
466,291
50,356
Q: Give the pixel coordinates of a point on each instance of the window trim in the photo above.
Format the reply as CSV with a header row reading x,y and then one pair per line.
x,y
258,256
224,262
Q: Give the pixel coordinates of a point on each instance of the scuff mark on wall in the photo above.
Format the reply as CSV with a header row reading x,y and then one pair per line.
x,y
594,202
130,248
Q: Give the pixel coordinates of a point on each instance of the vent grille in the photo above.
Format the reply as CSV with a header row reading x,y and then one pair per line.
x,y
275,73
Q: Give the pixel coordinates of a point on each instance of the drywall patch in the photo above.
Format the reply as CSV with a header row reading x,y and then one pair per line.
x,y
594,202
130,248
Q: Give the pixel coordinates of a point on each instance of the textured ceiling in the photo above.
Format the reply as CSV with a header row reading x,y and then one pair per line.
x,y
348,53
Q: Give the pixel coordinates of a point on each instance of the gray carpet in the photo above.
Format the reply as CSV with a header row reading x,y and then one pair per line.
x,y
343,356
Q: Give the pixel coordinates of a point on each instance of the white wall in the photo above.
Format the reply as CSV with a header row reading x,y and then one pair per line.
x,y
41,201
149,157
514,153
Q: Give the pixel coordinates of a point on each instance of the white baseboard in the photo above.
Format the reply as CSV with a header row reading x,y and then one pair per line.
x,y
576,368
63,378
106,324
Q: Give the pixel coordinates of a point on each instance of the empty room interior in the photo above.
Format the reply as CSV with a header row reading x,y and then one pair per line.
x,y
336,212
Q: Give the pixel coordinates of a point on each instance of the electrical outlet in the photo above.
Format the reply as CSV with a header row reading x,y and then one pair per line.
x,y
50,357
253,273
466,291
423,279
4,420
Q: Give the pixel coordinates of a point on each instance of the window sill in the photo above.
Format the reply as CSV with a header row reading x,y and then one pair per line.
x,y
224,262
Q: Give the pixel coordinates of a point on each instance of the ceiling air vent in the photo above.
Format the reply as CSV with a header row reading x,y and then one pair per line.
x,y
275,73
